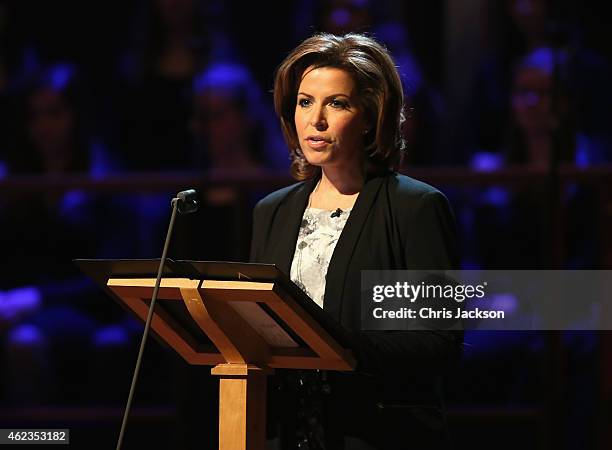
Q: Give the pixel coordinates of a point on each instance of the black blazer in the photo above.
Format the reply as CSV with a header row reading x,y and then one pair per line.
x,y
396,223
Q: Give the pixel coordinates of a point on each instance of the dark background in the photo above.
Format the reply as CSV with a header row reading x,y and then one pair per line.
x,y
109,108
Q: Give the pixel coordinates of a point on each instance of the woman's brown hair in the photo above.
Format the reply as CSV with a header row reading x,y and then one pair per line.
x,y
379,88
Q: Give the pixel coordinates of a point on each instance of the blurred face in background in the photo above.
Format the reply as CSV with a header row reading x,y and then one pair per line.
x,y
531,101
222,125
51,125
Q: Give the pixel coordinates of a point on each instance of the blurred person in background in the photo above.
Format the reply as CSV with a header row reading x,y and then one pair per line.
x,y
168,48
511,230
231,123
51,316
522,27
56,133
542,130
233,132
538,112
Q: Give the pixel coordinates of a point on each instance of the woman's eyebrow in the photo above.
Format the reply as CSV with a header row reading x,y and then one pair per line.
x,y
339,94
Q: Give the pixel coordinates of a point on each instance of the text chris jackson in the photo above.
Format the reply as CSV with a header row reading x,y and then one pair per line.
x,y
431,313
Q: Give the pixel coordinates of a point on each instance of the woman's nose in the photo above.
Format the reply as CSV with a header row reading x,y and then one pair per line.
x,y
318,119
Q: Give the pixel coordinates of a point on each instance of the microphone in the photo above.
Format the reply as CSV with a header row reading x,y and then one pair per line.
x,y
336,213
185,202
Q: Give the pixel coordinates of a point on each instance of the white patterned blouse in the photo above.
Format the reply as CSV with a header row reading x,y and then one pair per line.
x,y
319,232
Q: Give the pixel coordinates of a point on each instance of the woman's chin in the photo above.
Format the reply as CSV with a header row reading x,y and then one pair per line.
x,y
317,158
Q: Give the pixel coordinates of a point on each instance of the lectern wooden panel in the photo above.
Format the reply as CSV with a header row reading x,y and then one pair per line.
x,y
250,327
237,334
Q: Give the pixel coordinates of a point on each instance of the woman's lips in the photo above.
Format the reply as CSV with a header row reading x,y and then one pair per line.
x,y
316,142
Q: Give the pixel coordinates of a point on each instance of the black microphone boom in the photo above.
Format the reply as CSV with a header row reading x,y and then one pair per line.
x,y
185,202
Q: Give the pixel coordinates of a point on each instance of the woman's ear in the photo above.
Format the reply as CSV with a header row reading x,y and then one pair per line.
x,y
370,123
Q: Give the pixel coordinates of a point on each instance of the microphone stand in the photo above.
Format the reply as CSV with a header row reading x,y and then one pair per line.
x,y
184,202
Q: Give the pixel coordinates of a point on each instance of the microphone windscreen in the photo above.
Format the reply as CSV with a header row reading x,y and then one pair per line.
x,y
187,201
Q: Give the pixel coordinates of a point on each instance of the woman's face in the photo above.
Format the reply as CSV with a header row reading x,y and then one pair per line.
x,y
51,123
220,122
531,101
329,119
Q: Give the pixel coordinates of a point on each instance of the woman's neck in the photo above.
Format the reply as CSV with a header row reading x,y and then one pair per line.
x,y
341,181
337,189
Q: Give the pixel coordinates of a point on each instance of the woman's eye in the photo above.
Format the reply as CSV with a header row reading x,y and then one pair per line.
x,y
338,104
304,102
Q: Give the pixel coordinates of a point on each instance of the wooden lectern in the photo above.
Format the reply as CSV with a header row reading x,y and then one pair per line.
x,y
244,319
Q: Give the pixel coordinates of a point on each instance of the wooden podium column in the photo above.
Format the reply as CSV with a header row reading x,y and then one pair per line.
x,y
242,406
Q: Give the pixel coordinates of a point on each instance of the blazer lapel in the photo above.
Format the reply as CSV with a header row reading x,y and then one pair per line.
x,y
293,211
338,266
